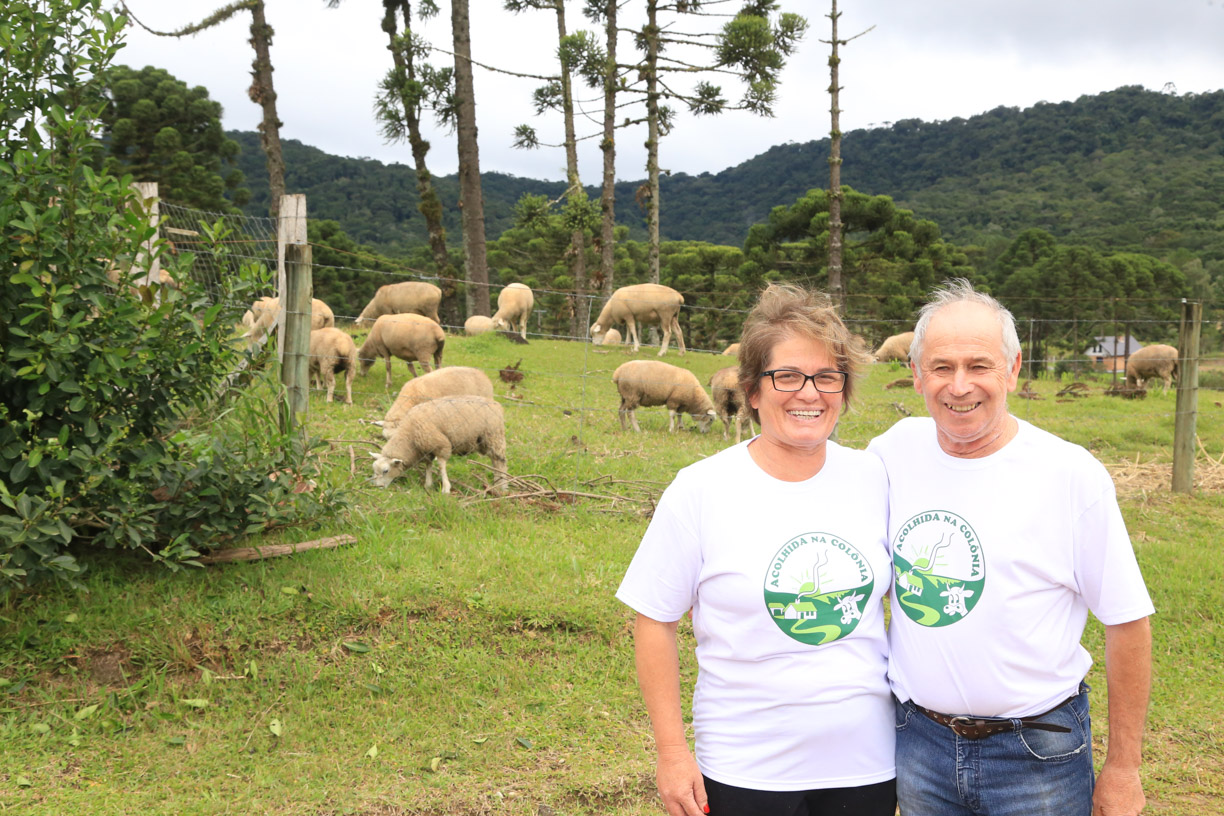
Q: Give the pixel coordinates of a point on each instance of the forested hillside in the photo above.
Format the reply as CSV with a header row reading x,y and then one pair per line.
x,y
1128,170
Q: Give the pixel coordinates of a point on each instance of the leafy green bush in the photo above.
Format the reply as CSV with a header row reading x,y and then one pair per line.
x,y
116,425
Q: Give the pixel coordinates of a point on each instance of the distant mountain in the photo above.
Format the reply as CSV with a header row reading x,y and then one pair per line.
x,y
1128,169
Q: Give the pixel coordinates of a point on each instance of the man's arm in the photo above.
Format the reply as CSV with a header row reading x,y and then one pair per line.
x,y
1128,677
658,668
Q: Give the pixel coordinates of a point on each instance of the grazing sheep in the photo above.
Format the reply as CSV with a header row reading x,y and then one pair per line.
x,y
477,324
452,381
331,350
442,428
643,303
731,350
411,297
611,337
514,305
409,337
650,382
730,401
896,347
1151,362
263,315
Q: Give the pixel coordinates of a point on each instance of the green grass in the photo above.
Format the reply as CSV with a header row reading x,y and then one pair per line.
x,y
468,657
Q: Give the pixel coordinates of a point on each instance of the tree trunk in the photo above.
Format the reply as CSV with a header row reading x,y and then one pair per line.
x,y
652,139
578,328
607,198
263,94
835,191
430,205
471,200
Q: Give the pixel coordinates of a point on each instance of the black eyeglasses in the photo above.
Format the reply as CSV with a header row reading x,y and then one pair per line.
x,y
826,382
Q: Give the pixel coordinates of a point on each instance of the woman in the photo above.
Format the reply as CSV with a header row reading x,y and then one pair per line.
x,y
778,547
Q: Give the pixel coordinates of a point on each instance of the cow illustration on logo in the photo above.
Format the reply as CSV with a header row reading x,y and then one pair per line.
x,y
817,587
939,570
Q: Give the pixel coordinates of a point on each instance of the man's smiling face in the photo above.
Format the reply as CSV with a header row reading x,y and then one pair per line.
x,y
965,379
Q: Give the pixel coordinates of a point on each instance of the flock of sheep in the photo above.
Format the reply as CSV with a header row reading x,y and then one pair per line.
x,y
452,411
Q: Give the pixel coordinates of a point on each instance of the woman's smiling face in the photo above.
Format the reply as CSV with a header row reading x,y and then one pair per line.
x,y
797,421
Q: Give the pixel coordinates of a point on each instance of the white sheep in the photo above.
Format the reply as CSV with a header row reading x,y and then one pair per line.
x,y
611,337
332,350
439,429
643,303
410,297
514,304
731,350
1152,362
730,402
263,316
410,337
644,383
896,347
451,381
477,324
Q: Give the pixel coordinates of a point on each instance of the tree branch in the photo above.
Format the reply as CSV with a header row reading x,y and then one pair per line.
x,y
216,18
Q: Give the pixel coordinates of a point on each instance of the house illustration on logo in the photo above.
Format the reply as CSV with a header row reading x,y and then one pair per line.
x,y
800,610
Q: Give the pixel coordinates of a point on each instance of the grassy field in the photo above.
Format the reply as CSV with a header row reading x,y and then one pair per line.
x,y
467,656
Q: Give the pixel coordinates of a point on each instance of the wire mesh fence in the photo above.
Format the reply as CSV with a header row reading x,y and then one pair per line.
x,y
554,376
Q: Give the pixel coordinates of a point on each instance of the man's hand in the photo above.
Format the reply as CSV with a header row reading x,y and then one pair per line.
x,y
1118,793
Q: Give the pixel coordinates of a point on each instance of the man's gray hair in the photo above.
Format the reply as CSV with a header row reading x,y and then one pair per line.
x,y
959,290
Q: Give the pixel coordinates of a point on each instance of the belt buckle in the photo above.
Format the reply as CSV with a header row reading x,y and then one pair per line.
x,y
958,723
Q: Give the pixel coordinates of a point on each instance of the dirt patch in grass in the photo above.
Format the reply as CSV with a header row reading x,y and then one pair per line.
x,y
1145,478
108,665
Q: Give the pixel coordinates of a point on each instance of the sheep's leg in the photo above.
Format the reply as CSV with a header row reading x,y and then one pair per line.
x,y
524,331
501,475
388,386
631,327
429,463
329,378
633,416
411,368
445,481
666,326
679,334
349,373
621,413
674,418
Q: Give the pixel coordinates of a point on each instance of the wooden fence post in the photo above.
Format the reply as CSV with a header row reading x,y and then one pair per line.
x,y
290,229
1184,436
149,205
295,332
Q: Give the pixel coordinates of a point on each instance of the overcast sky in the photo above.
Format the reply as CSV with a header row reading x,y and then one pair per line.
x,y
933,61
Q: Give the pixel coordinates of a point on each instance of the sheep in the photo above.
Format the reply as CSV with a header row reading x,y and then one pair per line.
x,y
409,337
263,315
332,350
643,303
612,337
1151,362
410,297
730,401
445,382
731,350
439,429
514,305
650,382
477,324
896,347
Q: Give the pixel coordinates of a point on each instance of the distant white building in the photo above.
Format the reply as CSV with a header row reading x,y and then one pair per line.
x,y
1110,352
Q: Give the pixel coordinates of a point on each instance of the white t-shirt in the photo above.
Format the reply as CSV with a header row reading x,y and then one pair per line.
x,y
785,581
997,562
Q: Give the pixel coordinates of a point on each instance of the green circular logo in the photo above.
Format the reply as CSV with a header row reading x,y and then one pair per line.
x,y
939,569
817,587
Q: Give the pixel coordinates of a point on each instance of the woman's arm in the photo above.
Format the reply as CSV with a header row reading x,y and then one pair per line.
x,y
658,669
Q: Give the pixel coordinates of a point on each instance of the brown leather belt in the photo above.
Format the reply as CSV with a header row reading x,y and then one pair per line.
x,y
978,727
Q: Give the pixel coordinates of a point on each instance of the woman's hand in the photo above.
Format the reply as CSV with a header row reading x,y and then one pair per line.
x,y
680,782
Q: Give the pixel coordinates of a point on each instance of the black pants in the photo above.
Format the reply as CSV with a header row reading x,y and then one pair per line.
x,y
879,799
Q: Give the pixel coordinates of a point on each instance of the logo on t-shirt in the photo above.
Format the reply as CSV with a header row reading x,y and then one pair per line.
x,y
817,587
938,568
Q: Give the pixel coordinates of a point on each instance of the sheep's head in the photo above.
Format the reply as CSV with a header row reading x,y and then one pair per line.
x,y
501,324
598,332
386,469
705,420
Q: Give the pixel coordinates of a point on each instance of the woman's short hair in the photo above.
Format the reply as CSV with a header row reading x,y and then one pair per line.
x,y
959,290
787,311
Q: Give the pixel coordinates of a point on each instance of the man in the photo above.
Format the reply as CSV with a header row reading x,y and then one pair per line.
x,y
1004,537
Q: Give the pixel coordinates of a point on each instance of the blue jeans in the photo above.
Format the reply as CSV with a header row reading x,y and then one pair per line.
x,y
1022,772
